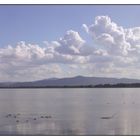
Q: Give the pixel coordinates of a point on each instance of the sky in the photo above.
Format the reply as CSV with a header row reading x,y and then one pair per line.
x,y
44,41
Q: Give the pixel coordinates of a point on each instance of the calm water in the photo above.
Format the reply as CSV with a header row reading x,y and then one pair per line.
x,y
74,111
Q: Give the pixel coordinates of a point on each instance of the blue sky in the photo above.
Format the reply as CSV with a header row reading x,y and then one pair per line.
x,y
108,44
49,22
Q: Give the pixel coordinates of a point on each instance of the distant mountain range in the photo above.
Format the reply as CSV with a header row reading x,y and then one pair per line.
x,y
69,82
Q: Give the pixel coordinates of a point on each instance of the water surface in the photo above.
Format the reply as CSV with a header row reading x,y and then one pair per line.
x,y
70,111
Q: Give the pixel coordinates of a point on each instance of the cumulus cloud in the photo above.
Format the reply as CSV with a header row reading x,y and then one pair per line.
x,y
70,43
27,59
118,47
113,37
65,50
115,50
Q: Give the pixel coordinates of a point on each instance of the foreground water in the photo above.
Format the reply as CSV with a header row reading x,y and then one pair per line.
x,y
73,111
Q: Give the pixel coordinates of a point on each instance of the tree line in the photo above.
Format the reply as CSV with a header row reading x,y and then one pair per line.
x,y
119,85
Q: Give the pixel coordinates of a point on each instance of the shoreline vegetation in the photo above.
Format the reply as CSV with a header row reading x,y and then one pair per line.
x,y
119,85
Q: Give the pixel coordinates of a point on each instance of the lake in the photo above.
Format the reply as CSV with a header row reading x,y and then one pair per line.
x,y
70,111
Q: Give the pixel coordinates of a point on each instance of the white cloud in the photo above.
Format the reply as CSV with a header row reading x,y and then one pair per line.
x,y
70,43
29,61
118,47
115,51
85,27
101,52
105,39
111,36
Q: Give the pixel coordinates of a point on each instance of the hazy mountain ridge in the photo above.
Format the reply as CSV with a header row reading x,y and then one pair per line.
x,y
72,81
